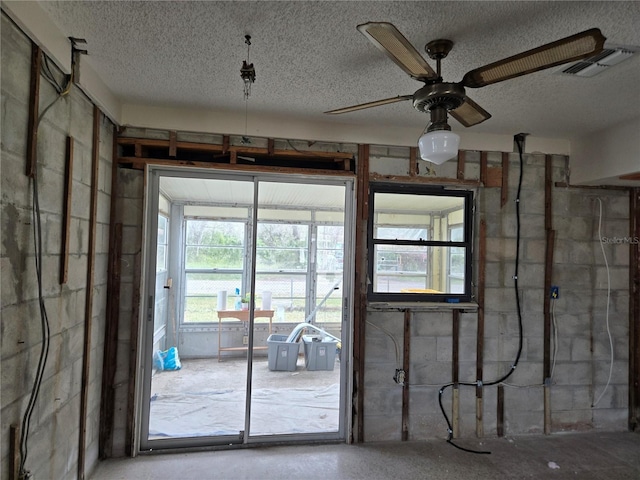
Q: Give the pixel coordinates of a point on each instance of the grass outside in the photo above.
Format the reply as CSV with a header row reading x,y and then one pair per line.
x,y
203,310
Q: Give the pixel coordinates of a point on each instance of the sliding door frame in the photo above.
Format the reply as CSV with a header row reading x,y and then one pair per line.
x,y
153,175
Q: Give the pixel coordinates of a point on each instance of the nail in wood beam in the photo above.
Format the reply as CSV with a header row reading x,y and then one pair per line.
x,y
413,162
34,99
405,367
173,148
504,192
462,155
66,212
88,311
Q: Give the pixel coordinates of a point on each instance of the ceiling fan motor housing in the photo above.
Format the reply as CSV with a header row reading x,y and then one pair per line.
x,y
447,95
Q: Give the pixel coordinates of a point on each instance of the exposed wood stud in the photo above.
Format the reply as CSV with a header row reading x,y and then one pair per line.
x,y
130,441
455,412
88,311
360,308
111,342
634,311
140,164
138,149
455,349
34,99
548,279
413,162
347,164
173,150
548,183
494,177
241,149
483,168
107,397
233,159
547,409
462,156
426,180
482,253
504,193
66,212
592,187
405,366
225,143
270,146
500,412
14,452
455,346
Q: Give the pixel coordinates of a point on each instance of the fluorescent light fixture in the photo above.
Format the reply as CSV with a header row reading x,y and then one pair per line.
x,y
438,146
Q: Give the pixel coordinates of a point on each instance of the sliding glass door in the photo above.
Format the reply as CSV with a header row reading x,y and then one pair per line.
x,y
255,285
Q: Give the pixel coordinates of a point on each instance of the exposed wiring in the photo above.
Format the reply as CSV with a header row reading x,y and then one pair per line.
x,y
519,140
395,343
606,264
44,318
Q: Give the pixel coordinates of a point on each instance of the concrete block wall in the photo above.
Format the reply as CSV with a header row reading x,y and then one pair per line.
x,y
583,356
54,432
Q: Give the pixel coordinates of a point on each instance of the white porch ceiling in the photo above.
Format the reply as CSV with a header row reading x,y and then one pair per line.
x,y
309,58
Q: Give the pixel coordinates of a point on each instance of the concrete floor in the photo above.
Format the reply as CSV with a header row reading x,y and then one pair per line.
x,y
584,456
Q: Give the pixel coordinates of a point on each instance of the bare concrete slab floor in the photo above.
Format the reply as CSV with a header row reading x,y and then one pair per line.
x,y
584,456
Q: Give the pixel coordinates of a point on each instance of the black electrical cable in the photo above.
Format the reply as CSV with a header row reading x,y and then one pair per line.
x,y
44,318
519,139
44,323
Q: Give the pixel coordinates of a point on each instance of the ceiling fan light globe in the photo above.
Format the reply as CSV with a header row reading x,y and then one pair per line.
x,y
438,146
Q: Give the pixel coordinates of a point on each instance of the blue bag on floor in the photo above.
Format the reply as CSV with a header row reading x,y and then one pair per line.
x,y
167,360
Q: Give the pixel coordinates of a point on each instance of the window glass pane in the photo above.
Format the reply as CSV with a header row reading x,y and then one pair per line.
x,y
400,233
214,244
282,247
288,294
418,269
330,248
201,294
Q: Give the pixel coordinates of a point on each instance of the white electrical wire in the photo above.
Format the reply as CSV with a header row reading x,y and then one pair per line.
x,y
608,300
395,343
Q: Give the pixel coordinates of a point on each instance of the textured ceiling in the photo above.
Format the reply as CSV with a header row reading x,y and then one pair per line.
x,y
309,58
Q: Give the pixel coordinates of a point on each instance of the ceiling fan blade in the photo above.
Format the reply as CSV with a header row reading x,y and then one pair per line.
x,y
388,38
377,103
470,113
569,49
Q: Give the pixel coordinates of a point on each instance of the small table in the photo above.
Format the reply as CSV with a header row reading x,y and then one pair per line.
x,y
243,316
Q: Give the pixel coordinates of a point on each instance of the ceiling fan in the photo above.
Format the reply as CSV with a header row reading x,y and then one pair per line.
x,y
440,98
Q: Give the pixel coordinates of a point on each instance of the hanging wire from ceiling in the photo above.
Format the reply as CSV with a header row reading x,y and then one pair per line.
x,y
247,72
248,75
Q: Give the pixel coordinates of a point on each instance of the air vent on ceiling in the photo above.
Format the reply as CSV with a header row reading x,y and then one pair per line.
x,y
588,67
